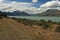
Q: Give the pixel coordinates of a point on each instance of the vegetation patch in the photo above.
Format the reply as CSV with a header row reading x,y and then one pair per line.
x,y
57,29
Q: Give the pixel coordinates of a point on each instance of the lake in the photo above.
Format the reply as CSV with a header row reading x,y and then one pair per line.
x,y
54,19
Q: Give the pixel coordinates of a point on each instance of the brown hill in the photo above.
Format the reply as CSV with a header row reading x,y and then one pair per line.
x,y
12,30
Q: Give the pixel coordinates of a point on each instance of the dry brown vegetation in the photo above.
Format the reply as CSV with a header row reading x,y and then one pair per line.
x,y
10,29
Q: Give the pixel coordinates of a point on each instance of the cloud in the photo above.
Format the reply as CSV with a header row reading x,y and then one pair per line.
x,y
19,6
27,7
51,5
34,0
1,0
15,6
4,5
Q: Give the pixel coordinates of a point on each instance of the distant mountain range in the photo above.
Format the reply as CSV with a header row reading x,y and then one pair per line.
x,y
16,13
50,12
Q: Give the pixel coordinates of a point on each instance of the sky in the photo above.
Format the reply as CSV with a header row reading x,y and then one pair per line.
x,y
30,6
35,3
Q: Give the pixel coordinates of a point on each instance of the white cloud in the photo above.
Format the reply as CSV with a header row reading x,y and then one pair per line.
x,y
4,5
27,7
18,6
49,5
14,6
34,0
1,0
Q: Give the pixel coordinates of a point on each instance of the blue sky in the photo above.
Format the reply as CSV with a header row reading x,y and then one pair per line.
x,y
39,1
28,0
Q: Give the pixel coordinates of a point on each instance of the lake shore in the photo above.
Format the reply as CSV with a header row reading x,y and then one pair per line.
x,y
55,19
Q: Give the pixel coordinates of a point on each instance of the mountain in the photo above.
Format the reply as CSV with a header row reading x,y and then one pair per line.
x,y
15,13
50,12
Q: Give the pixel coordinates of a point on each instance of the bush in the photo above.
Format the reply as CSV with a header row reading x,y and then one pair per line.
x,y
3,15
45,26
58,23
49,21
14,18
0,17
42,21
57,29
54,22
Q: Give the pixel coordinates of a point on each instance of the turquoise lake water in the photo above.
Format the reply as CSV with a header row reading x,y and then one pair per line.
x,y
55,19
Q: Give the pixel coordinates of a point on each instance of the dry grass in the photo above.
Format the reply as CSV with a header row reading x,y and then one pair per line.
x,y
12,30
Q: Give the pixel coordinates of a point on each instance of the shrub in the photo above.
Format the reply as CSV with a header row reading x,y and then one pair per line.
x,y
54,22
42,20
57,29
3,15
58,23
14,18
0,17
45,26
49,21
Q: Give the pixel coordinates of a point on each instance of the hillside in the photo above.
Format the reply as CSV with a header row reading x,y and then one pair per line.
x,y
10,29
51,12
